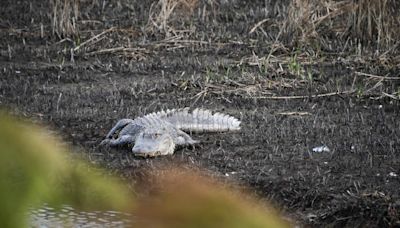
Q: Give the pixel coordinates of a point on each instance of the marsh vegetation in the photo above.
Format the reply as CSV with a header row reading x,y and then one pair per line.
x,y
299,74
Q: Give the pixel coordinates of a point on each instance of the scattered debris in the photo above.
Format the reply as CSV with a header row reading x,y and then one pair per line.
x,y
230,173
321,149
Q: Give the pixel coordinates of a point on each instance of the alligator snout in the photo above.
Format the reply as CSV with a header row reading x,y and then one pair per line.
x,y
143,149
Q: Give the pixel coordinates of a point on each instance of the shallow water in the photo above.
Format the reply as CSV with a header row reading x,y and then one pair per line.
x,y
69,217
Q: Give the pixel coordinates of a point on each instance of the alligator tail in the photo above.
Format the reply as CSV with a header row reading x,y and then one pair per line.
x,y
198,120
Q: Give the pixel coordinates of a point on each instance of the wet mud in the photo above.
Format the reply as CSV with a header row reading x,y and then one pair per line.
x,y
284,116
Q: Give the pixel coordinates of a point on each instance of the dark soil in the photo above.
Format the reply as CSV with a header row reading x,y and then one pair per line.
x,y
215,65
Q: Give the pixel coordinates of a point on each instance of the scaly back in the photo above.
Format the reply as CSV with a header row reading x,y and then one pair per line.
x,y
198,120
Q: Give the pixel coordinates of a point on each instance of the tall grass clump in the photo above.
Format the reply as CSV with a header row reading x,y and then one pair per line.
x,y
164,13
374,24
64,17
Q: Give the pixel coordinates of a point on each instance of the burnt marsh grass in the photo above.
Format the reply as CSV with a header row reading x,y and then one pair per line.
x,y
298,74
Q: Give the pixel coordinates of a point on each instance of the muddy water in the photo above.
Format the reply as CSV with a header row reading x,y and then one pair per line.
x,y
67,216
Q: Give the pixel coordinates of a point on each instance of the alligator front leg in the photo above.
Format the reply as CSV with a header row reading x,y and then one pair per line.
x,y
120,124
122,140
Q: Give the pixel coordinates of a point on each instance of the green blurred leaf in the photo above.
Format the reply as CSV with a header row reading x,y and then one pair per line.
x,y
34,169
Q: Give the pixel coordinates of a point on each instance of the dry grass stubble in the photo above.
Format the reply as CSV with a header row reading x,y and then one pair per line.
x,y
164,11
64,17
374,23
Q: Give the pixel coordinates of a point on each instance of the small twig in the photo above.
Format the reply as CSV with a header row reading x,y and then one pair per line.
x,y
65,40
258,25
377,76
93,38
302,96
379,83
345,218
294,113
117,49
58,102
393,96
202,93
178,40
188,41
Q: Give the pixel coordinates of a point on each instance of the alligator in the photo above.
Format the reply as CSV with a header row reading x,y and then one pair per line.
x,y
160,132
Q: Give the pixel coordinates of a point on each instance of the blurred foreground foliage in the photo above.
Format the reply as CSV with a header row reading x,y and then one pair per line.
x,y
184,198
34,169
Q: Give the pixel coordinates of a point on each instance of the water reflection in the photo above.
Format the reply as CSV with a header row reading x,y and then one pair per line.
x,y
69,217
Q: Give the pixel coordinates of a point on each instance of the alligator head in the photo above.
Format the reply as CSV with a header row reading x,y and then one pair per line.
x,y
152,142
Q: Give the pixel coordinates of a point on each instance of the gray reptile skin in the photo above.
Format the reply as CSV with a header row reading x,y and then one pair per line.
x,y
158,133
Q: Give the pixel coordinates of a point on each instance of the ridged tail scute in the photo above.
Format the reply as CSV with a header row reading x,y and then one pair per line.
x,y
198,120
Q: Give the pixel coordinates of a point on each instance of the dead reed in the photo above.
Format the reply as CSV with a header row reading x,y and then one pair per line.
x,y
64,17
163,12
370,23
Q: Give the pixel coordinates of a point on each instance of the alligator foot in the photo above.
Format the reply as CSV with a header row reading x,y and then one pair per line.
x,y
147,155
105,142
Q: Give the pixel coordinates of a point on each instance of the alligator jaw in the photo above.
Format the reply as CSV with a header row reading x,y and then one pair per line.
x,y
147,155
145,152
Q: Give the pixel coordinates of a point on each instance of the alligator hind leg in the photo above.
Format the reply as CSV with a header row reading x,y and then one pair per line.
x,y
122,140
185,139
120,124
